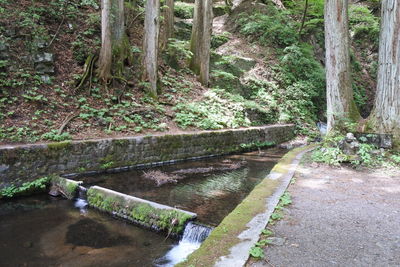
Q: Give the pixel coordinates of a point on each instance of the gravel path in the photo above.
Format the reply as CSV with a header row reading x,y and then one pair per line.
x,y
339,217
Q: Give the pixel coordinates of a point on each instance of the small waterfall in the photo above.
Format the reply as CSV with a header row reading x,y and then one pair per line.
x,y
195,233
192,238
81,201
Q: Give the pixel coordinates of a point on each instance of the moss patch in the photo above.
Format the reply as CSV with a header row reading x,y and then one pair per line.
x,y
68,187
168,220
59,145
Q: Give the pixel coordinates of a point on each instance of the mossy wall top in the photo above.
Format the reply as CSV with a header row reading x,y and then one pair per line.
x,y
24,163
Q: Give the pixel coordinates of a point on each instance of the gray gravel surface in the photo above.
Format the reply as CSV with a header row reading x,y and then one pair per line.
x,y
339,217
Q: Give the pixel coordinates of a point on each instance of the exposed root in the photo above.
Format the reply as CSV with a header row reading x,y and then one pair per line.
x,y
66,121
88,72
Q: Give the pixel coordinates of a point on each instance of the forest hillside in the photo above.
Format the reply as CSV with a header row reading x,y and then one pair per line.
x,y
267,66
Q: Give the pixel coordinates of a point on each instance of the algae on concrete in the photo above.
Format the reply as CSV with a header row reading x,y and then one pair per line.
x,y
67,187
145,213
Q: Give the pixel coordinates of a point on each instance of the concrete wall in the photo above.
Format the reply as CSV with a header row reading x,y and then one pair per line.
x,y
24,163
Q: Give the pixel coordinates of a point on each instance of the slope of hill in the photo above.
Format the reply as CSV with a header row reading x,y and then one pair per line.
x,y
262,71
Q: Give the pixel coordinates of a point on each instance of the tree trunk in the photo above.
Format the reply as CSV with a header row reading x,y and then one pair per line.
x,y
303,19
200,42
150,44
339,92
105,59
115,44
118,21
385,117
168,25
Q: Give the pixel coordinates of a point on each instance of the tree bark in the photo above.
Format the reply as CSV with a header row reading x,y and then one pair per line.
x,y
168,24
115,45
339,92
385,118
105,59
150,44
303,19
200,42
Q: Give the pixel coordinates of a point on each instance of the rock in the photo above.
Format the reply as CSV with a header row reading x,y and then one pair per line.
x,y
44,58
41,44
350,138
4,167
54,191
379,140
44,68
276,241
46,78
349,145
386,141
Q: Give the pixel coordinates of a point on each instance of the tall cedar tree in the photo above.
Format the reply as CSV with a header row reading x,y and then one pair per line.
x,y
200,42
167,30
339,92
150,44
385,117
114,42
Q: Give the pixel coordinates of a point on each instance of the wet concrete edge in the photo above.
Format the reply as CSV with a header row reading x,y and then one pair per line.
x,y
238,254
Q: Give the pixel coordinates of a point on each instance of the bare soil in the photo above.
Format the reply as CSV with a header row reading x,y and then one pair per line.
x,y
339,217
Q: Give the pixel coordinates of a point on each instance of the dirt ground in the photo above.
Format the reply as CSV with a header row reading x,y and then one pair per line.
x,y
339,217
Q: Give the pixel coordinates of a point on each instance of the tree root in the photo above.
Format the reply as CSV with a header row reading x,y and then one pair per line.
x,y
66,121
88,72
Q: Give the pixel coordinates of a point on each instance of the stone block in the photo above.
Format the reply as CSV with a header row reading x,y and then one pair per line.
x,y
44,58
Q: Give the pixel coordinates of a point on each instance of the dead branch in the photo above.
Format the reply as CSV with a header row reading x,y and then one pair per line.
x,y
57,32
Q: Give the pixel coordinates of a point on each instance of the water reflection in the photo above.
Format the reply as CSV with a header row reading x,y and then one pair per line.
x,y
211,188
43,231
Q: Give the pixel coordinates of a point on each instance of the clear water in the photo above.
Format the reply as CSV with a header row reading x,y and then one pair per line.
x,y
44,231
212,188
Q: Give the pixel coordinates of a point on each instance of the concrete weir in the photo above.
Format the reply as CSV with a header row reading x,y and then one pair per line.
x,y
145,213
26,163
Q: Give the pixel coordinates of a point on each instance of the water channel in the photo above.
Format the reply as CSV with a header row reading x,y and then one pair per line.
x,y
46,231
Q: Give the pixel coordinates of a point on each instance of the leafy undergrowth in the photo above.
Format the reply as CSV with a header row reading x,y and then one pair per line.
x,y
331,152
35,108
28,188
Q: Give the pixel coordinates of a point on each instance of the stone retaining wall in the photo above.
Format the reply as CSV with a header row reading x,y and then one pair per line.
x,y
24,163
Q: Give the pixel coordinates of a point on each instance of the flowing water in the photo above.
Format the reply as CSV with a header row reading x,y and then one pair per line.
x,y
47,231
212,188
192,238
